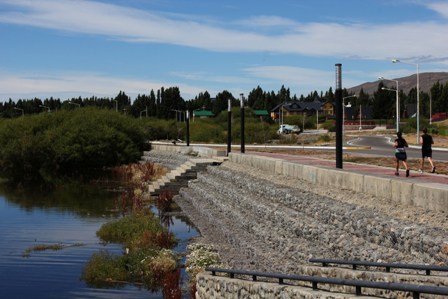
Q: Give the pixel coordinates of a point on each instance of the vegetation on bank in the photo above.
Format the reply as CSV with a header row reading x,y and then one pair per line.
x,y
77,144
44,247
147,257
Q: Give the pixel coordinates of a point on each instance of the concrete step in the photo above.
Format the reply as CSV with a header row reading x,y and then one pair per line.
x,y
179,177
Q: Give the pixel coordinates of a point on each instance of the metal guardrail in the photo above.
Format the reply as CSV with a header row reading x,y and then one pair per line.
x,y
416,290
388,266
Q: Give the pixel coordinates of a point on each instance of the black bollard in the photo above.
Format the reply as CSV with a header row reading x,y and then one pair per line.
x,y
229,127
188,127
339,111
242,124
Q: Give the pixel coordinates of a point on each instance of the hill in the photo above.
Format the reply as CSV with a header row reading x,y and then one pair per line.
x,y
427,80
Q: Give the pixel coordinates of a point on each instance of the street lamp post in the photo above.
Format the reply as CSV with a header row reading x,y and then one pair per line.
x,y
418,95
360,117
116,105
397,117
430,107
343,112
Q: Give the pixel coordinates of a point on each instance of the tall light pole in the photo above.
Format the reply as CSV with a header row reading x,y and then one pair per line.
x,y
390,89
430,107
343,112
418,95
397,117
116,105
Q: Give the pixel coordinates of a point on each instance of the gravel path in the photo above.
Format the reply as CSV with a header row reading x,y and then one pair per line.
x,y
275,223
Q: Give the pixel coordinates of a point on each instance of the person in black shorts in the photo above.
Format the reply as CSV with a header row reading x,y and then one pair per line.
x,y
426,141
400,154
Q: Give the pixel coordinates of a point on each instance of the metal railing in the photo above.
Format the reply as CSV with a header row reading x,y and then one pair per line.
x,y
388,266
416,290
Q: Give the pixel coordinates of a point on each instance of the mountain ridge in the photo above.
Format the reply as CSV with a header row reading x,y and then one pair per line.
x,y
427,80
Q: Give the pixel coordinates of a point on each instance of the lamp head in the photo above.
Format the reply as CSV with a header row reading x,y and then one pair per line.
x,y
395,60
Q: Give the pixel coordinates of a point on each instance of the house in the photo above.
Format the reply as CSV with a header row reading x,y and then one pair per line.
x,y
329,109
294,108
261,113
202,114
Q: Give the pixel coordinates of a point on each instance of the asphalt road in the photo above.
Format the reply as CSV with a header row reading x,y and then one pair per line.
x,y
382,146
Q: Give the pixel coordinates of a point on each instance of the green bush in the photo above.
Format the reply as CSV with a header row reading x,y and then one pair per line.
x,y
104,267
297,119
206,130
329,125
126,229
77,143
160,129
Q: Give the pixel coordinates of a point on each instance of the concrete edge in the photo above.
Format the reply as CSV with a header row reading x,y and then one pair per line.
x,y
431,196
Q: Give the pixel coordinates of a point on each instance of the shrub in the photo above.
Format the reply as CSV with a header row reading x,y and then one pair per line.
x,y
329,125
104,268
72,143
207,131
134,227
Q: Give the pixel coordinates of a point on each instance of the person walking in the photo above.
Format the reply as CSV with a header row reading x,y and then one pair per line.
x,y
426,141
400,154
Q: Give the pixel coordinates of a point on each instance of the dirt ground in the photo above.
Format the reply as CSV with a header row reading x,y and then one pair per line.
x,y
414,164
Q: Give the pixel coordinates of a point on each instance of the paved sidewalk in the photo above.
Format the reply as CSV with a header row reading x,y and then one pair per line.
x,y
359,168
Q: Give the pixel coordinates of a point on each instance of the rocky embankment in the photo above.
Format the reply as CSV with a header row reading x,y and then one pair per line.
x,y
168,160
274,223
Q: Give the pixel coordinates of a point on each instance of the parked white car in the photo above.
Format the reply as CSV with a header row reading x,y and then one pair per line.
x,y
287,129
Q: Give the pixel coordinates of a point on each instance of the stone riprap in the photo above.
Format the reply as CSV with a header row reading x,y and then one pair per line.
x,y
212,287
262,225
170,160
266,221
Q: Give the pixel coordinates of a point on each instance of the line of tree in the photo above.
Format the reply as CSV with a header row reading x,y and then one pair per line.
x,y
165,103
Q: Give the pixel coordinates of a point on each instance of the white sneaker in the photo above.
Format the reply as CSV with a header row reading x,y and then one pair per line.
x,y
421,171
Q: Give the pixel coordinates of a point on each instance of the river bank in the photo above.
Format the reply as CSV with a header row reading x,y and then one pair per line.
x,y
269,223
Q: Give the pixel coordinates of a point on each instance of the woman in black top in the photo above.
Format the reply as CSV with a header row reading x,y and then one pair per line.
x,y
400,153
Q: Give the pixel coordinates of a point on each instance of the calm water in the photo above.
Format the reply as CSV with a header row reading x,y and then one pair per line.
x,y
67,217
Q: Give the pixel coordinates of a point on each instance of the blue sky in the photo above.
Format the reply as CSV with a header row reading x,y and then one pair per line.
x,y
71,48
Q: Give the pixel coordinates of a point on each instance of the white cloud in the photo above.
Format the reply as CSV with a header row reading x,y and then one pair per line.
x,y
68,85
315,39
439,7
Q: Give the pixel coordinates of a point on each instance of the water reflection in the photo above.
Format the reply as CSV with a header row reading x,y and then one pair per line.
x,y
66,216
85,201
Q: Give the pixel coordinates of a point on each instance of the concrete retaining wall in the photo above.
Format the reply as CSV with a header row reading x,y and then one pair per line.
x,y
430,196
199,151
